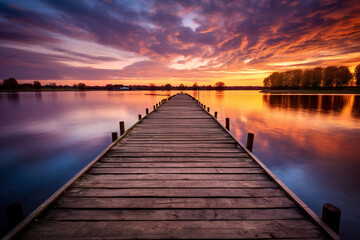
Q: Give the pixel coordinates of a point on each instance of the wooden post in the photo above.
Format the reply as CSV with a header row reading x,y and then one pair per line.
x,y
147,111
228,124
157,105
331,216
204,106
122,128
139,116
114,136
14,214
154,107
208,109
215,114
250,141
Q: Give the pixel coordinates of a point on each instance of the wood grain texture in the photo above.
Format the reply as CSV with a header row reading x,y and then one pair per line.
x,y
177,174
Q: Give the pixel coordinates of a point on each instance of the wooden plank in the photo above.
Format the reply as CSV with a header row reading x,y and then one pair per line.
x,y
242,159
174,170
57,214
174,154
175,192
180,176
188,184
167,202
177,144
173,229
176,164
166,149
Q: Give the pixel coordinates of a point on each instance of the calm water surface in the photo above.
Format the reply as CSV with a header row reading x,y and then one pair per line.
x,y
311,142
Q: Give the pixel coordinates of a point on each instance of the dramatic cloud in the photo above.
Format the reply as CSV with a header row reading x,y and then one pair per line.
x,y
138,42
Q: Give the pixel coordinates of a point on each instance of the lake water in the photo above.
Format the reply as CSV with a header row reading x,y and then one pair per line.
x,y
310,142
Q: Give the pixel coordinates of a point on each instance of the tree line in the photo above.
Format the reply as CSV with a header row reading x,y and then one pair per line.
x,y
12,84
331,76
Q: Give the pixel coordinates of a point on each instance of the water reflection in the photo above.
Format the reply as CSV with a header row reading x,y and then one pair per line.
x,y
311,142
316,103
356,106
219,95
13,97
38,96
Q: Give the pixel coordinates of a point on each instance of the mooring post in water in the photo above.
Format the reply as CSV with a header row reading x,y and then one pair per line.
x,y
215,115
228,124
331,216
147,111
208,109
122,128
250,141
14,214
114,136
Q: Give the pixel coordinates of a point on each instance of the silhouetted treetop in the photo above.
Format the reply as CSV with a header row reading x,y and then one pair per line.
x,y
357,75
37,85
219,86
10,84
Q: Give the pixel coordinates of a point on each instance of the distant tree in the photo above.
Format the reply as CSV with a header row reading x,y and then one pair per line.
x,y
75,86
195,86
274,80
317,76
357,75
219,86
266,82
10,84
37,85
306,78
296,76
168,86
152,86
181,86
53,85
81,86
343,76
287,79
330,75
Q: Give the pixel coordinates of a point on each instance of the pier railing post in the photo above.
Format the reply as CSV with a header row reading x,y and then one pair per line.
x,y
215,114
122,128
114,136
208,109
157,105
147,111
14,214
331,216
139,116
228,124
250,141
154,107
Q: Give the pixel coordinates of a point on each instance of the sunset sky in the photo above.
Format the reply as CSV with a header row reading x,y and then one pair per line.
x,y
142,42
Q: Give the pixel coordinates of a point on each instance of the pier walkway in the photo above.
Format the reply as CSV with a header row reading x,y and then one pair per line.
x,y
177,173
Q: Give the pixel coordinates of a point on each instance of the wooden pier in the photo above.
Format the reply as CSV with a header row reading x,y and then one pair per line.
x,y
177,173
